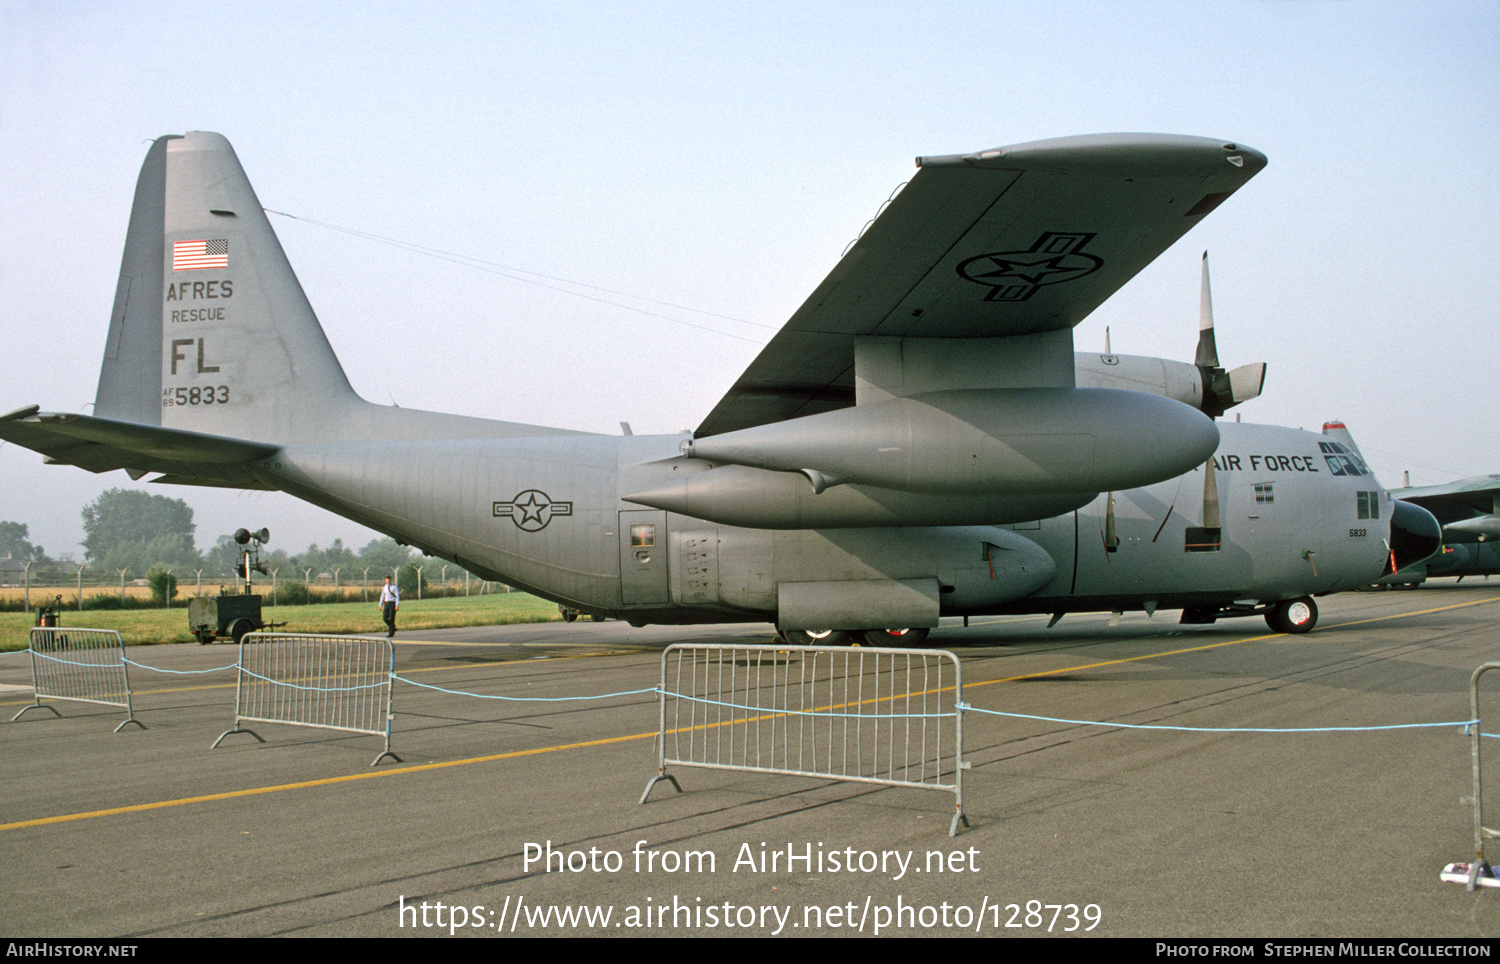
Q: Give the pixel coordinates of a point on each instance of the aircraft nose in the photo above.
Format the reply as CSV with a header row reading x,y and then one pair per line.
x,y
1415,534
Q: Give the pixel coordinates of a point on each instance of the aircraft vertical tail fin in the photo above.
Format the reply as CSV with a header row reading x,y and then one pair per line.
x,y
1338,432
211,331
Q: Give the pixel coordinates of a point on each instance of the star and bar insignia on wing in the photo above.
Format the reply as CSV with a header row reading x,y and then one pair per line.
x,y
1015,275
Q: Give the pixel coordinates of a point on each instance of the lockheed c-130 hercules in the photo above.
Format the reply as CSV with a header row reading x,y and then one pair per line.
x,y
918,441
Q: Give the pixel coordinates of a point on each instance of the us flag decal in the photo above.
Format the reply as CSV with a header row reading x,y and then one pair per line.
x,y
197,255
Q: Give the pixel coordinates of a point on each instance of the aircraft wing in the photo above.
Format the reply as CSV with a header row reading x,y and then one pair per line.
x,y
1010,241
1455,501
102,445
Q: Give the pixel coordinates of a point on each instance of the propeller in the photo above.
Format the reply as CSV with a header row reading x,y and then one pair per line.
x,y
1222,390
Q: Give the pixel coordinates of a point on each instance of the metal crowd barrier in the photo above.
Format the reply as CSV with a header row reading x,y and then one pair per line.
x,y
886,716
330,682
1480,869
87,665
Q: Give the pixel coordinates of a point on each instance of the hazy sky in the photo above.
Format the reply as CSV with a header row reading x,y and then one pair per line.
x,y
719,157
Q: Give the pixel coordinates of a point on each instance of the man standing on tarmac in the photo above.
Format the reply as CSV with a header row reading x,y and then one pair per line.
x,y
390,601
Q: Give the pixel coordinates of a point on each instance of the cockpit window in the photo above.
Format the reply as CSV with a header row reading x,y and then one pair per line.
x,y
1368,504
1341,461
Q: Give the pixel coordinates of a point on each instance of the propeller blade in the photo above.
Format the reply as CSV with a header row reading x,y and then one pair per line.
x,y
1208,350
1210,497
1246,382
1221,390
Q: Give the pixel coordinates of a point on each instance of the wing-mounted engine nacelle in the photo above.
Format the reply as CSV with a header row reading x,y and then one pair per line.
x,y
981,442
1180,381
739,495
1478,529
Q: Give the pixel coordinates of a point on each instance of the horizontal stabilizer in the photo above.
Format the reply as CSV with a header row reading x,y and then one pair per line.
x,y
102,445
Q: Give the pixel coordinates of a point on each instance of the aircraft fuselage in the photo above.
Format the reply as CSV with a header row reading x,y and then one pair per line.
x,y
547,513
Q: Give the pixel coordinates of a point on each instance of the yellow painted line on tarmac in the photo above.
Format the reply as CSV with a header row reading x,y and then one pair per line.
x,y
515,754
438,642
307,784
1420,612
1231,642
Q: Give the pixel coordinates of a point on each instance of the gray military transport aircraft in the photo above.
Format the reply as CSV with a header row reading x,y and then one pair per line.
x,y
1469,512
918,441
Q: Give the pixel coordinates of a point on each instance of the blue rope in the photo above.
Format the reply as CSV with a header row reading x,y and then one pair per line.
x,y
71,662
522,699
1227,729
318,689
181,672
961,707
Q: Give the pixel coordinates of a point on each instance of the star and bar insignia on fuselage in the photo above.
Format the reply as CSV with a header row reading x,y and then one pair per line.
x,y
531,510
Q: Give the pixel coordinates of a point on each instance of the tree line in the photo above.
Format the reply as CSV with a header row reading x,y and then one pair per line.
x,y
142,534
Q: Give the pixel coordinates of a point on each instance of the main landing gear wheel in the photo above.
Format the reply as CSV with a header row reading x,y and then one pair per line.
x,y
819,637
899,638
1293,615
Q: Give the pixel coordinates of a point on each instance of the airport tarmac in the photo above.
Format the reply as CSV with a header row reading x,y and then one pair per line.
x,y
1155,833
